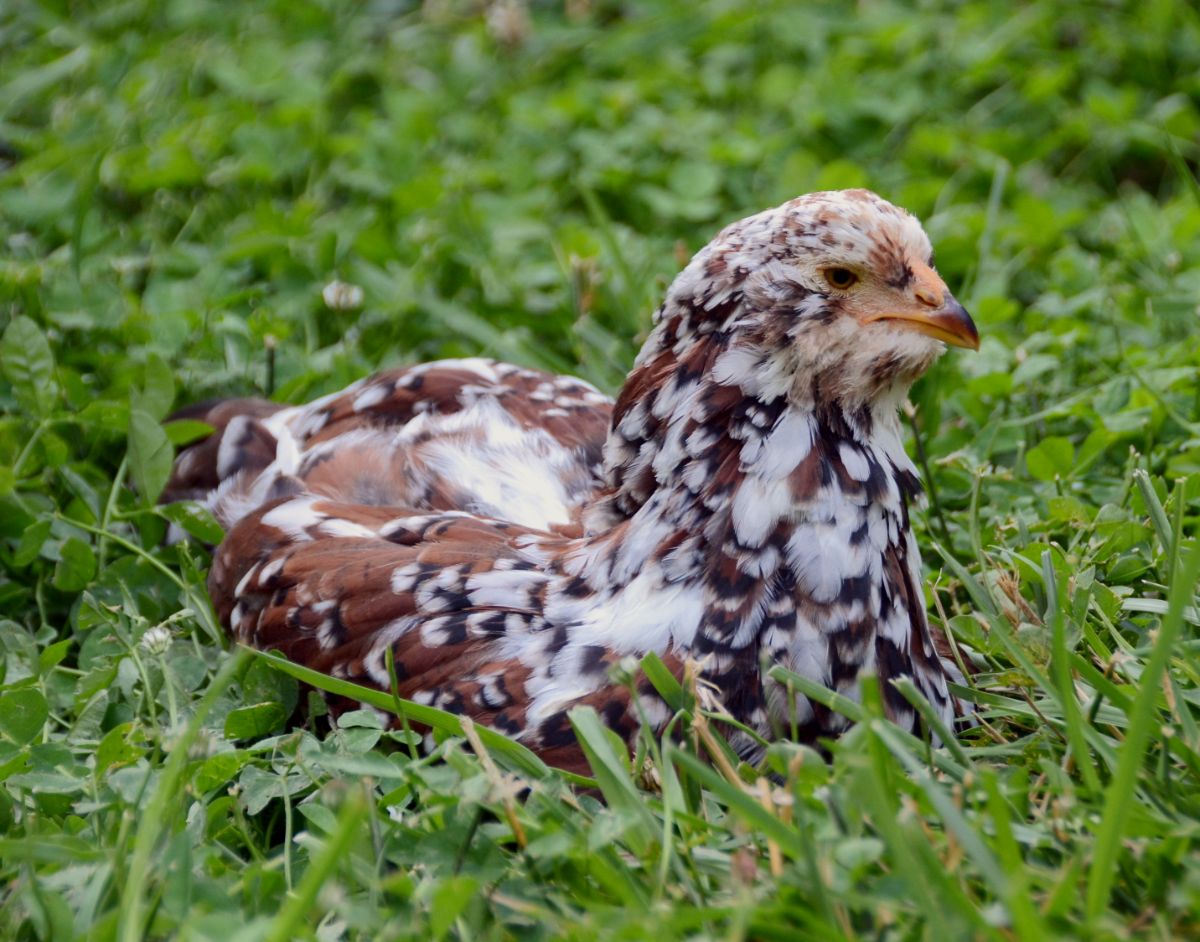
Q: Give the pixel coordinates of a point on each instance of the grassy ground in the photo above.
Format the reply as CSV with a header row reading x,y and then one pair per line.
x,y
180,179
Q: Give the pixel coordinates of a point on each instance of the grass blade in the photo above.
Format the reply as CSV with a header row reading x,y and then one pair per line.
x,y
519,757
1060,669
1119,798
740,802
299,906
154,820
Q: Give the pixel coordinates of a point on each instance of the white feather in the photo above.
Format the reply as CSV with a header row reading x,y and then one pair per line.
x,y
817,561
758,506
854,461
338,527
504,589
371,396
788,443
294,517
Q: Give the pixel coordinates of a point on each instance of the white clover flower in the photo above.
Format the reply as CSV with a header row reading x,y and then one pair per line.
x,y
342,296
508,22
156,640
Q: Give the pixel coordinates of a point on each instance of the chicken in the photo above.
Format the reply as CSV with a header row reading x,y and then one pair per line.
x,y
511,535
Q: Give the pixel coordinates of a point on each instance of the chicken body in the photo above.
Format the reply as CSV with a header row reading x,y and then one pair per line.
x,y
509,535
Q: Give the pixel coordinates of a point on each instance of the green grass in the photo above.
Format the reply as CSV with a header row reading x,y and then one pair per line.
x,y
180,179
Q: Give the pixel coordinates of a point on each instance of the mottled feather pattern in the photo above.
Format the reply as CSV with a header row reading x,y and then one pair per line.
x,y
475,435
509,535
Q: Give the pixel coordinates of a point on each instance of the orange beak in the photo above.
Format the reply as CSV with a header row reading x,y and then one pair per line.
x,y
949,323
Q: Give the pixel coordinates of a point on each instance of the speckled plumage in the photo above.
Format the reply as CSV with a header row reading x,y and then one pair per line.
x,y
510,535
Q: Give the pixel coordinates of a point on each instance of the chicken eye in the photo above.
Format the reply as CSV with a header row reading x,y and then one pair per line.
x,y
840,278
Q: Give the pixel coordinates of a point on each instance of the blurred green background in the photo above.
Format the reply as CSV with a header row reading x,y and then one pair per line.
x,y
180,181
182,178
